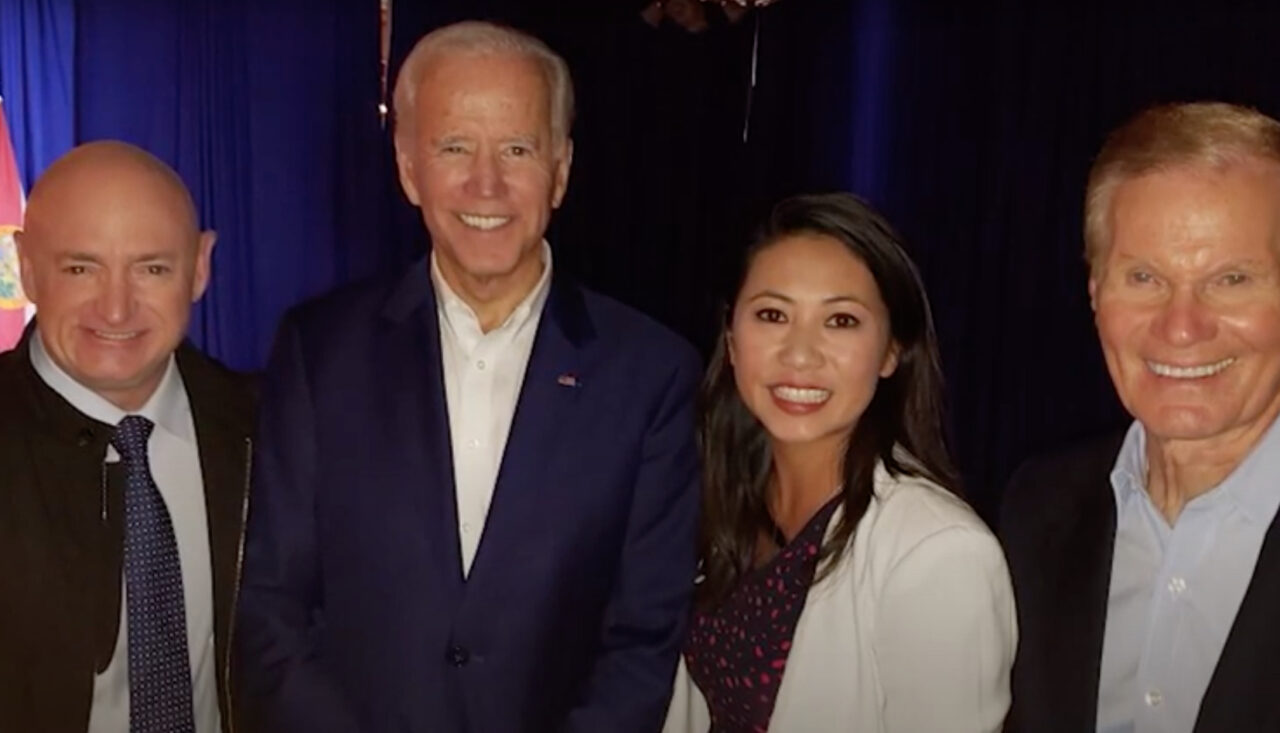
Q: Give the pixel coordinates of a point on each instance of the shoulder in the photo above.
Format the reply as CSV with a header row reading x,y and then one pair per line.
x,y
353,305
1052,483
215,388
625,331
916,529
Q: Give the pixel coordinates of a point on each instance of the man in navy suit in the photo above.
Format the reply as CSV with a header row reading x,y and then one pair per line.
x,y
476,485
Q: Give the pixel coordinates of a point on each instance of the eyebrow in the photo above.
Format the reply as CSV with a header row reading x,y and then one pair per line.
x,y
89,257
788,299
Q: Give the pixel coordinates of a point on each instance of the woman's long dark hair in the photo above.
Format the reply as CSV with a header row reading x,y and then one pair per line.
x,y
905,411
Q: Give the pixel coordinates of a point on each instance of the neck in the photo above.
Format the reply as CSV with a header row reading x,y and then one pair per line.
x,y
805,476
493,299
1178,471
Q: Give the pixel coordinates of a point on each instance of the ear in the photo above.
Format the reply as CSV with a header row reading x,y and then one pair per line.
x,y
405,166
204,259
26,272
1093,293
729,348
890,363
560,183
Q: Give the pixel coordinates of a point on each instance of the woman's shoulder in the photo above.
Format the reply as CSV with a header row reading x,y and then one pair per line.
x,y
911,510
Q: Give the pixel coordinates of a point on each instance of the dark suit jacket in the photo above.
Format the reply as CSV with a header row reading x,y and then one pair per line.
x,y
1058,526
60,583
355,615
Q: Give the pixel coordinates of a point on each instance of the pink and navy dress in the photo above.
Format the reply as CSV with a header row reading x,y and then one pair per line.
x,y
737,652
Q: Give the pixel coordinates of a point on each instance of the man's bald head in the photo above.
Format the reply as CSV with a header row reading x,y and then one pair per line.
x,y
108,173
112,257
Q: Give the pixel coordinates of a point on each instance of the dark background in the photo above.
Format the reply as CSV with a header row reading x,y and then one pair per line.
x,y
972,129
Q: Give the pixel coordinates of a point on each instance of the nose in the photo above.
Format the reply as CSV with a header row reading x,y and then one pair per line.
x,y
486,177
1185,319
800,349
115,301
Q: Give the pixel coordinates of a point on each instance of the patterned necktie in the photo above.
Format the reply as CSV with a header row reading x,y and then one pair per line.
x,y
159,666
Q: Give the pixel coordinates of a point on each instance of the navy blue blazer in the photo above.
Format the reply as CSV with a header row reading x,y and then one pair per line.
x,y
354,614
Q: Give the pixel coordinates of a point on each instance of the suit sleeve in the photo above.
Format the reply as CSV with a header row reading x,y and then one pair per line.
x,y
946,635
280,599
645,619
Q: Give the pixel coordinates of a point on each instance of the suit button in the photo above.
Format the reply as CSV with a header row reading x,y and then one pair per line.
x,y
457,656
84,437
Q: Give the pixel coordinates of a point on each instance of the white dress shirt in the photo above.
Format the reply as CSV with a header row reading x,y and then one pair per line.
x,y
483,373
175,466
1175,590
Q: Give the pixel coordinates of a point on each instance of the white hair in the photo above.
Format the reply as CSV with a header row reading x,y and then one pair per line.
x,y
482,38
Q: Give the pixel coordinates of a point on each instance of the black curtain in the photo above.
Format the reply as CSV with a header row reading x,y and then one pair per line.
x,y
972,126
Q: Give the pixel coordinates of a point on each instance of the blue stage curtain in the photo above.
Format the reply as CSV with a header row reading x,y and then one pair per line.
x,y
37,45
268,110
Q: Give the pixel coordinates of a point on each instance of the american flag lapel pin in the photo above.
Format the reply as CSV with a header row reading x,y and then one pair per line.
x,y
568,379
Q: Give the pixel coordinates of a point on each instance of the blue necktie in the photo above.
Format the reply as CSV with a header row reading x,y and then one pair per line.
x,y
159,666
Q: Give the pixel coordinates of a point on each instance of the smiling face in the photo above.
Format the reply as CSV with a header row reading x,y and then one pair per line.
x,y
113,261
810,339
1187,301
481,161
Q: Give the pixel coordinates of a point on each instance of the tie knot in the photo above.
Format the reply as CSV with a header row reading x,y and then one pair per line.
x,y
130,437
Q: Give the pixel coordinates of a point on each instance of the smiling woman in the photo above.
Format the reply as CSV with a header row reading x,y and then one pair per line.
x,y
843,580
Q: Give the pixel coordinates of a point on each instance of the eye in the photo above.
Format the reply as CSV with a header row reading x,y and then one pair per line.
x,y
1234,278
451,149
75,269
843,320
771,315
520,151
157,269
1140,277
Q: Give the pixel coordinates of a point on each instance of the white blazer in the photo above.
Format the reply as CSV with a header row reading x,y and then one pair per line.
x,y
913,632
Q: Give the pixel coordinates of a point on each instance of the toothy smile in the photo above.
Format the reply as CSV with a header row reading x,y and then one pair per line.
x,y
116,336
485,223
1190,372
802,395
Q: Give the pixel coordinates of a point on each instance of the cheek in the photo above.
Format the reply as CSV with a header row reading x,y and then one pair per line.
x,y
1117,326
1259,328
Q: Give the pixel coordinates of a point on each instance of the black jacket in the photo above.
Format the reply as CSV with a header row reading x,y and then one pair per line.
x,y
62,541
1058,527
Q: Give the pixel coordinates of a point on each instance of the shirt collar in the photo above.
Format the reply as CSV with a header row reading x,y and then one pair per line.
x,y
1251,487
456,311
167,407
1129,476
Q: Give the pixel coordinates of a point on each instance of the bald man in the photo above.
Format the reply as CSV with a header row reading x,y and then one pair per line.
x,y
124,462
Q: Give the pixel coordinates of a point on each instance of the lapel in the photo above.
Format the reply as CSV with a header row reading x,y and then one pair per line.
x,y
555,380
1078,551
1083,600
414,389
222,410
1244,692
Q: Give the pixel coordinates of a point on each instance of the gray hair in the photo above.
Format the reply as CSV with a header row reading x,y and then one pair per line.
x,y
482,38
1214,135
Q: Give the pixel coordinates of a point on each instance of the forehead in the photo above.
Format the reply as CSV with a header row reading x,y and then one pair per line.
x,y
114,220
457,85
1201,209
814,264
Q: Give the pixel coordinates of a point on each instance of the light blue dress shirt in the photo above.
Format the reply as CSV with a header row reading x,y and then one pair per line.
x,y
1175,590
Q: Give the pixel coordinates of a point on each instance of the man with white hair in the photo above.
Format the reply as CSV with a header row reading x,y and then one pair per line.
x,y
477,483
1147,565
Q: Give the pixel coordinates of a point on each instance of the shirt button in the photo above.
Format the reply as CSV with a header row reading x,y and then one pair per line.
x,y
473,443
1153,698
1177,585
480,365
466,528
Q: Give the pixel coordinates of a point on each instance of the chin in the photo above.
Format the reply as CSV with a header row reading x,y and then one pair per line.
x,y
1183,424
